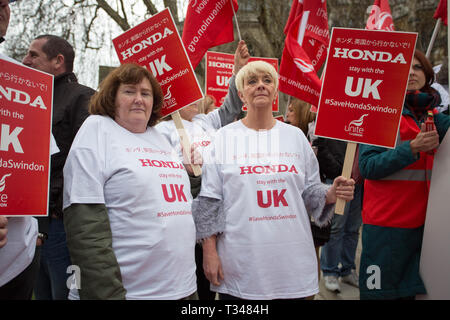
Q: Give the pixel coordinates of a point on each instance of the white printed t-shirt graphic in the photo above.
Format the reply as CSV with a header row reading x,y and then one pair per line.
x,y
266,250
146,191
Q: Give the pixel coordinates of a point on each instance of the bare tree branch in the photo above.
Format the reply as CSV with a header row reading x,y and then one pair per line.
x,y
172,4
123,10
123,23
89,28
150,7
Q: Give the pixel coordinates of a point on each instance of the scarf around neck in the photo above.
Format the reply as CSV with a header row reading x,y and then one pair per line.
x,y
420,102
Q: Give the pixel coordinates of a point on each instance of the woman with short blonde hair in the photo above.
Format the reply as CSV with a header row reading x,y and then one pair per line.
x,y
258,189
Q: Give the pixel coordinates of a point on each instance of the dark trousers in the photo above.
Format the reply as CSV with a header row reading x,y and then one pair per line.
x,y
202,283
21,287
52,277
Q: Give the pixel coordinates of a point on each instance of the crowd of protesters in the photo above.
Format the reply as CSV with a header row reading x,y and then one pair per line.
x,y
142,225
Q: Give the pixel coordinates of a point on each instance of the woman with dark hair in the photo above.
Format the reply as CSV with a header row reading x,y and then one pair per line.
x,y
396,194
127,205
421,63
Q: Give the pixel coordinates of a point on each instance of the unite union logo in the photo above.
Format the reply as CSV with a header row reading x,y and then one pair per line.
x,y
3,196
303,66
168,94
354,128
168,100
3,182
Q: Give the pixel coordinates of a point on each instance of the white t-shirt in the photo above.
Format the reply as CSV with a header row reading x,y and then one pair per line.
x,y
18,252
266,250
146,191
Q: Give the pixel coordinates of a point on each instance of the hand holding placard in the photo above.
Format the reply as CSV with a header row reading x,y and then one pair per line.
x,y
425,141
241,56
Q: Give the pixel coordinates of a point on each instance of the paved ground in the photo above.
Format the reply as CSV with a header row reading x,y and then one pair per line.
x,y
347,292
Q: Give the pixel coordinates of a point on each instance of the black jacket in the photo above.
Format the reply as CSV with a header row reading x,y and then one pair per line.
x,y
330,154
70,109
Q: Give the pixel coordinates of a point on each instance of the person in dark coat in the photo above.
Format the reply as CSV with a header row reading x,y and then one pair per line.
x,y
54,55
344,234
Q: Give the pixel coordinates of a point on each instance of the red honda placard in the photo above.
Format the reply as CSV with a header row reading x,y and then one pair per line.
x,y
156,45
25,111
364,86
219,69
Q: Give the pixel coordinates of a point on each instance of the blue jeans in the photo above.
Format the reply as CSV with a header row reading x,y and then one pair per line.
x,y
55,258
341,248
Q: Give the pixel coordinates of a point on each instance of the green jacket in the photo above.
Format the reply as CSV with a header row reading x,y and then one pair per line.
x,y
89,240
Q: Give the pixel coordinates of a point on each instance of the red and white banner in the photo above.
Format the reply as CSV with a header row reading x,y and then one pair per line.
x,y
380,17
364,85
208,23
26,111
218,71
441,11
305,49
156,45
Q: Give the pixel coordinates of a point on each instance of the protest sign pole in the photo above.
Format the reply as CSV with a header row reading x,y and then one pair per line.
x,y
433,37
185,142
346,172
235,19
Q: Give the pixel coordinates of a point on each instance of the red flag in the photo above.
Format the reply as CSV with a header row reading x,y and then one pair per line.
x,y
441,11
305,50
207,24
380,16
296,10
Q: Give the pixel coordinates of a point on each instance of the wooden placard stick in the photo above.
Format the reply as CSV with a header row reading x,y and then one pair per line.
x,y
346,172
185,142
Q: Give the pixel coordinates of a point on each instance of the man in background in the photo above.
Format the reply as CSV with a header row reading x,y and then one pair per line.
x,y
54,55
